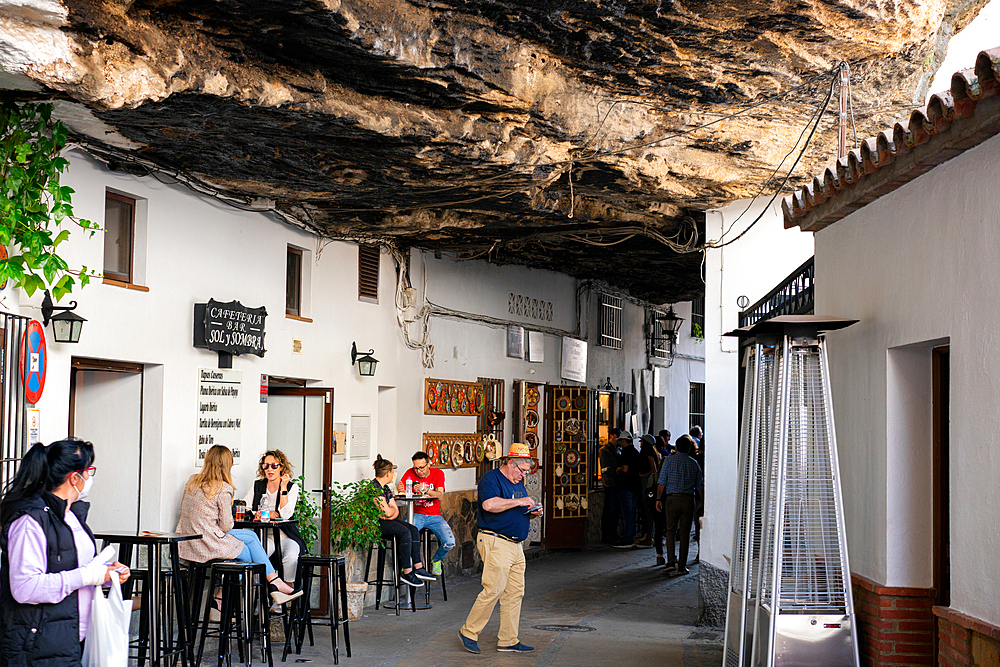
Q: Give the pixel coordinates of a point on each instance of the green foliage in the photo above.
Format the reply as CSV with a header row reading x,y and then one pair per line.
x,y
33,206
307,514
696,331
354,516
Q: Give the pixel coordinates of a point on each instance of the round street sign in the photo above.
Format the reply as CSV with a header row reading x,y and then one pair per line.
x,y
34,361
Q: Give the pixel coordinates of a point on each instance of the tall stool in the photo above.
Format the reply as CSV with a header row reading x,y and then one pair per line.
x,y
245,612
425,549
387,543
301,618
175,608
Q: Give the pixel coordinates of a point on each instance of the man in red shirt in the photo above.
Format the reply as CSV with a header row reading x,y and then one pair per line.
x,y
427,513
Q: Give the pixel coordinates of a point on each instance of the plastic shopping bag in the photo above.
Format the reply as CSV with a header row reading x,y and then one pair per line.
x,y
106,644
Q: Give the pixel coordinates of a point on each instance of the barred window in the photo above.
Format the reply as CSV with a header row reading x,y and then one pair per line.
x,y
698,317
696,411
611,321
659,341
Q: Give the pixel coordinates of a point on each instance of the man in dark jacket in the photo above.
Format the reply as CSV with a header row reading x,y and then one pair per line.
x,y
608,457
629,488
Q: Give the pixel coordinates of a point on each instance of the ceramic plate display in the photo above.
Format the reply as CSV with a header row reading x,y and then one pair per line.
x,y
432,397
470,451
572,458
480,452
531,419
560,447
564,480
444,453
432,451
456,455
531,440
579,403
532,395
480,401
562,403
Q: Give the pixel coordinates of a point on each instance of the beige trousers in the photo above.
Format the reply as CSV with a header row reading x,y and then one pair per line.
x,y
503,580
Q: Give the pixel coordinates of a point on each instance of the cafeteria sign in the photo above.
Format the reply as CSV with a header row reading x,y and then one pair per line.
x,y
229,327
220,411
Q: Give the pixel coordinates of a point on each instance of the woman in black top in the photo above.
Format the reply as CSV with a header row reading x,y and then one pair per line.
x,y
406,534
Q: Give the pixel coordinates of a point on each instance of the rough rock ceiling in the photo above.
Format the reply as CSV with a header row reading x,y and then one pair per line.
x,y
531,132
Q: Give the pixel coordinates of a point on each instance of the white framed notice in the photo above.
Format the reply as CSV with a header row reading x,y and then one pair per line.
x,y
515,341
574,360
220,411
536,347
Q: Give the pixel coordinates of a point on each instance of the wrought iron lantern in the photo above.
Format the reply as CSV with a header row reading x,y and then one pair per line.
x,y
366,362
66,325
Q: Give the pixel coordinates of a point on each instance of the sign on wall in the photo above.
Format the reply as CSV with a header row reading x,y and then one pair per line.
x,y
220,410
229,327
574,359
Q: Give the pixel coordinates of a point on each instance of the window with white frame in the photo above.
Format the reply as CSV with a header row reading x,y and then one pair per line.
x,y
611,321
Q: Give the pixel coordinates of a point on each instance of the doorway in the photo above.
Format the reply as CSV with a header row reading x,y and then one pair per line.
x,y
106,409
941,470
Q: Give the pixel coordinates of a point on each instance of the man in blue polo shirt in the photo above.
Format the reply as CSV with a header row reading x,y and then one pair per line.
x,y
680,482
503,525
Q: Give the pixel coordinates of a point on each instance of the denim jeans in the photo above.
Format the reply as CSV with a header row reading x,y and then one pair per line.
x,y
627,501
442,531
252,552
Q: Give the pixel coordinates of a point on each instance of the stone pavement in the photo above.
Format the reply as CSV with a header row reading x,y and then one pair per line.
x,y
637,615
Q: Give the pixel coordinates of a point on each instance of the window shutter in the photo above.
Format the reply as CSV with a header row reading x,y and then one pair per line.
x,y
368,258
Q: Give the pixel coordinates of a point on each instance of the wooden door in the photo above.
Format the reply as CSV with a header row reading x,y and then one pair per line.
x,y
566,467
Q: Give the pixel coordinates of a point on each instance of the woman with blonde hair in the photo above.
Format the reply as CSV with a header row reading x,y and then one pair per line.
x,y
206,508
274,486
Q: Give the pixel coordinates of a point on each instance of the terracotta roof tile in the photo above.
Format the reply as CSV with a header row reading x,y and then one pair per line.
x,y
954,121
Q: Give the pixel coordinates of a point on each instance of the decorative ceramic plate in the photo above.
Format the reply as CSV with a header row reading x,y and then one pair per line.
x,y
531,419
438,387
534,467
465,405
560,447
531,440
572,501
571,426
456,455
562,403
480,452
581,478
580,403
454,404
580,437
444,452
480,401
532,396
470,451
572,458
564,480
461,393
432,396
432,452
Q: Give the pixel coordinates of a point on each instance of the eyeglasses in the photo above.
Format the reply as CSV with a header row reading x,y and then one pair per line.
x,y
423,467
523,471
92,470
272,466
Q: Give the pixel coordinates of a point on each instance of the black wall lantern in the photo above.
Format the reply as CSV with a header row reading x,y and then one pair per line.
x,y
66,325
670,324
366,363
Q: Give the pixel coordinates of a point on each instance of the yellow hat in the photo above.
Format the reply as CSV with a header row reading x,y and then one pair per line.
x,y
519,450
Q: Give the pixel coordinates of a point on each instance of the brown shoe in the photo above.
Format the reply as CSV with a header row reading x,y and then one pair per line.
x,y
660,561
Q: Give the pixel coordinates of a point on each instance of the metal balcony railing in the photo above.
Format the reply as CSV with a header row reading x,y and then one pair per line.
x,y
792,296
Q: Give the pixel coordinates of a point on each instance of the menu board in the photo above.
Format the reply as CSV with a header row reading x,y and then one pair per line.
x,y
220,411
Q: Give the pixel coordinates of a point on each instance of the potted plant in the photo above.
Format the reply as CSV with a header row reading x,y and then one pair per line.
x,y
354,526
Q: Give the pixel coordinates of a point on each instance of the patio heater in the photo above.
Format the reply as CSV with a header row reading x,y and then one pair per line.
x,y
790,577
756,433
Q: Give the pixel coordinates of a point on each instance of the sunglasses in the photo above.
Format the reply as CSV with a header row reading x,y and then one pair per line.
x,y
271,466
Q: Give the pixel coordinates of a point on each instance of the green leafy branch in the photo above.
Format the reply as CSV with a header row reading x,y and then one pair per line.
x,y
34,207
307,514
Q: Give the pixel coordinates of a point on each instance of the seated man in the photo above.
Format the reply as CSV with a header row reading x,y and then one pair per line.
x,y
427,513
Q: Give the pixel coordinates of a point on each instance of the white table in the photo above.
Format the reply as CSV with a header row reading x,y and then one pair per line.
x,y
410,502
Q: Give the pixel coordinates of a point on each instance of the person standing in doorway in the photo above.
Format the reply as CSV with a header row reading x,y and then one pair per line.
x,y
427,513
648,476
608,459
680,481
629,488
505,512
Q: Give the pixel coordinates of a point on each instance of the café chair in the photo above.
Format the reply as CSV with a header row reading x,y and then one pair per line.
x,y
301,619
245,615
427,550
173,609
386,544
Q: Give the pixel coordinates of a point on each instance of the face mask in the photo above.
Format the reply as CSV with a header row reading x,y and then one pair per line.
x,y
87,483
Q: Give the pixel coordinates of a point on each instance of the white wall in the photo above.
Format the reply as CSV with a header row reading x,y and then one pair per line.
x,y
917,267
751,267
198,249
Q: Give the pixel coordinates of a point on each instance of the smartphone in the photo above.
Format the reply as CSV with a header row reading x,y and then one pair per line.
x,y
533,509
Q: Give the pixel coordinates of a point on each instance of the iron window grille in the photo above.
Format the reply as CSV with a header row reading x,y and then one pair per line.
x,y
698,317
696,409
611,321
659,338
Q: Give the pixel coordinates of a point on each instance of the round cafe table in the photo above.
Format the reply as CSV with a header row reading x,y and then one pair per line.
x,y
409,602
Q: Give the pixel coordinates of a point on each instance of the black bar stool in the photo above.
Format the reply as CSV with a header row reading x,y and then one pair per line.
x,y
245,612
387,543
175,608
301,620
425,549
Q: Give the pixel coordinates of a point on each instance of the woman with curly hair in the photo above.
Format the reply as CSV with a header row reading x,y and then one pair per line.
x,y
274,484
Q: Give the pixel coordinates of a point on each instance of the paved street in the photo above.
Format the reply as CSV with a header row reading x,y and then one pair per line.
x,y
635,612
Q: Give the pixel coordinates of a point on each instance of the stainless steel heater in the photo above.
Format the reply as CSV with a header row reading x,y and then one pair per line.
x,y
805,614
756,433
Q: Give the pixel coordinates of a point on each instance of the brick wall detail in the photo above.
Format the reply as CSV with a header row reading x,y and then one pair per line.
x,y
895,625
964,641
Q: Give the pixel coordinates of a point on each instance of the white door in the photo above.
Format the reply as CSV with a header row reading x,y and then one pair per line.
x,y
108,413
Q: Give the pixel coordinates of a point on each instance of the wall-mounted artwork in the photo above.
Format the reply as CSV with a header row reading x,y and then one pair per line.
x,y
451,397
455,450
